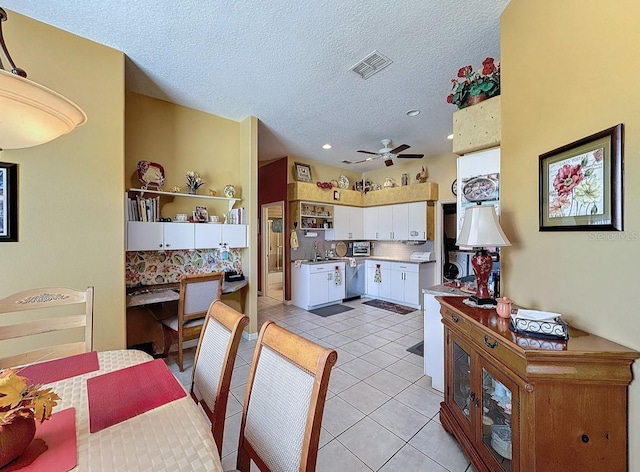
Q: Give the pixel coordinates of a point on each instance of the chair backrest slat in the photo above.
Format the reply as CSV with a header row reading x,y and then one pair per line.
x,y
50,315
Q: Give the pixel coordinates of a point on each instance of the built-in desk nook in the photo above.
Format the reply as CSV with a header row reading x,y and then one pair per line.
x,y
147,304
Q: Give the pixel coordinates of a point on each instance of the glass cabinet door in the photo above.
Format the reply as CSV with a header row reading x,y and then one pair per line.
x,y
461,380
497,422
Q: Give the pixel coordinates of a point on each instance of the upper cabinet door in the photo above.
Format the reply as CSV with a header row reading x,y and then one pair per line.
x,y
341,221
234,235
417,221
356,224
370,217
385,223
142,236
208,236
400,221
178,235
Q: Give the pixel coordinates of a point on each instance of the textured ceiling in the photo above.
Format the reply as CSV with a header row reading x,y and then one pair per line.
x,y
287,63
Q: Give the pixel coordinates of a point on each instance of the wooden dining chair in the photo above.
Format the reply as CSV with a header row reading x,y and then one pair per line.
x,y
197,293
59,324
214,361
284,402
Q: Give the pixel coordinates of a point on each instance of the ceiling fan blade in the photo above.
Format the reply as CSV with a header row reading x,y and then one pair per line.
x,y
369,152
400,148
388,162
410,156
355,162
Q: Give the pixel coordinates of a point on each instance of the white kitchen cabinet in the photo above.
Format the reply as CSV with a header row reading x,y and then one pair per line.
x,y
400,222
417,229
370,223
348,222
145,236
380,289
215,235
385,223
405,283
315,285
402,282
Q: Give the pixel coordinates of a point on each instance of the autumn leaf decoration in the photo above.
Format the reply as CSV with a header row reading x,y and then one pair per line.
x,y
19,399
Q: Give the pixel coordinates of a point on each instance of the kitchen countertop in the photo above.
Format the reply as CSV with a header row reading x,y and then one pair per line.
x,y
361,258
443,289
149,294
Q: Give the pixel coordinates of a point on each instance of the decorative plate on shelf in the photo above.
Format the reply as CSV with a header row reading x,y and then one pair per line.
x,y
341,249
343,182
150,174
229,191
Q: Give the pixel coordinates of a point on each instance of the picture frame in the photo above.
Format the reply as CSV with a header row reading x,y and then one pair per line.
x,y
303,172
200,215
8,202
336,195
581,186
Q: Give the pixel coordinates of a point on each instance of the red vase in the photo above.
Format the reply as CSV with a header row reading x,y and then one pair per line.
x,y
15,438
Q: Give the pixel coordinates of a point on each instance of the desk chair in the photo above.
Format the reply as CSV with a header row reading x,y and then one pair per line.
x,y
59,324
213,364
197,292
284,403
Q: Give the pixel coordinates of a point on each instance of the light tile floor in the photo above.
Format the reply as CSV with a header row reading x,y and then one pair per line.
x,y
380,414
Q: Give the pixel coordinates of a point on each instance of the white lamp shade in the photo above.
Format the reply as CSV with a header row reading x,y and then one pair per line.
x,y
481,228
31,114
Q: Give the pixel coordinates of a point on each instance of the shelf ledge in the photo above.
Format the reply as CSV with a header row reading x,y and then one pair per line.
x,y
231,201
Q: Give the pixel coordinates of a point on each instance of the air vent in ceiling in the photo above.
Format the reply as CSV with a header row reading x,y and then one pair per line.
x,y
371,65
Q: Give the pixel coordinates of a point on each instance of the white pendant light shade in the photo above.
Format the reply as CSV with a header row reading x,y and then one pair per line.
x,y
31,114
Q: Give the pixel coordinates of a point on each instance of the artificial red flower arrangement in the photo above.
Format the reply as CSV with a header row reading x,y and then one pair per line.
x,y
470,84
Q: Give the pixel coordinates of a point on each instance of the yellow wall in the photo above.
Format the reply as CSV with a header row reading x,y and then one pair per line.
x,y
569,71
70,190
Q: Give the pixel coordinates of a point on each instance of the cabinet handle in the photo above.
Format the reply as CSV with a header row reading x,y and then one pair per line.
x,y
159,245
455,318
167,245
488,344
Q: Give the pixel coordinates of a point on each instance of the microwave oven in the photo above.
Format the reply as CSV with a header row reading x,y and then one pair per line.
x,y
360,249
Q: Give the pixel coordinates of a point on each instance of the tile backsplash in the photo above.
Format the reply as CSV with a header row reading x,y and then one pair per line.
x,y
162,267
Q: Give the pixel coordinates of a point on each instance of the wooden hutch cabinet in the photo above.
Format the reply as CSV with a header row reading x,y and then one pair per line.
x,y
522,404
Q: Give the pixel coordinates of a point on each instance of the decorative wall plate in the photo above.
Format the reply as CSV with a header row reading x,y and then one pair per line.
x,y
343,182
229,191
480,189
150,174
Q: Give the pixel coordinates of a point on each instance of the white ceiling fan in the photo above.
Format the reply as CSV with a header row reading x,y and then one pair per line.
x,y
387,154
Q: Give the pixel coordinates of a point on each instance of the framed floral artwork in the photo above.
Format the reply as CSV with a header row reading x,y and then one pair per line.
x,y
580,184
303,172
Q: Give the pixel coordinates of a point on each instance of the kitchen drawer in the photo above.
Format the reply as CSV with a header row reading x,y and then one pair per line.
x,y
456,322
405,267
496,347
315,268
372,263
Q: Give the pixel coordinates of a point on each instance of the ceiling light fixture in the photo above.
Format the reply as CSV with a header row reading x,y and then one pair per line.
x,y
450,136
326,146
31,114
413,112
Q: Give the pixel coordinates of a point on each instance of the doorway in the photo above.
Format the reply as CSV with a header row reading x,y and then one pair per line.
x,y
273,250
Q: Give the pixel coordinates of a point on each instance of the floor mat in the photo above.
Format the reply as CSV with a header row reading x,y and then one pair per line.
x,y
417,349
330,310
392,307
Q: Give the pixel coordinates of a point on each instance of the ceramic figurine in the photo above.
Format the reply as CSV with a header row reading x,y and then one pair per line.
x,y
422,176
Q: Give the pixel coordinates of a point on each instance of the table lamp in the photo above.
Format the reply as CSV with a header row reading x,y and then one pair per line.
x,y
481,230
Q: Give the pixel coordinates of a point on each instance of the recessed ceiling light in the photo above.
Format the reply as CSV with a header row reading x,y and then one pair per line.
x,y
450,136
413,112
326,146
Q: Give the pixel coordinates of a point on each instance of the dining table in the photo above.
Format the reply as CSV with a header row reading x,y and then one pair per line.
x,y
131,414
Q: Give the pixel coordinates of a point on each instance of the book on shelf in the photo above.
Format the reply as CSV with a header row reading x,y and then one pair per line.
x,y
237,216
143,209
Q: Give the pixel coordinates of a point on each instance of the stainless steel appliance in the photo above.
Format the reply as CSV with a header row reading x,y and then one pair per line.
x,y
361,249
355,274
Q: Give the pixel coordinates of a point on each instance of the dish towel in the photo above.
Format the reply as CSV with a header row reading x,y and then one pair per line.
x,y
352,262
337,278
377,276
294,239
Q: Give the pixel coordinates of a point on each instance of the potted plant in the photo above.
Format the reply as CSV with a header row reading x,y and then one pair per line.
x,y
471,87
194,181
20,405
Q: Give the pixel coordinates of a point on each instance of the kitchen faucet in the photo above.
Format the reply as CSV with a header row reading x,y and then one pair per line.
x,y
315,251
